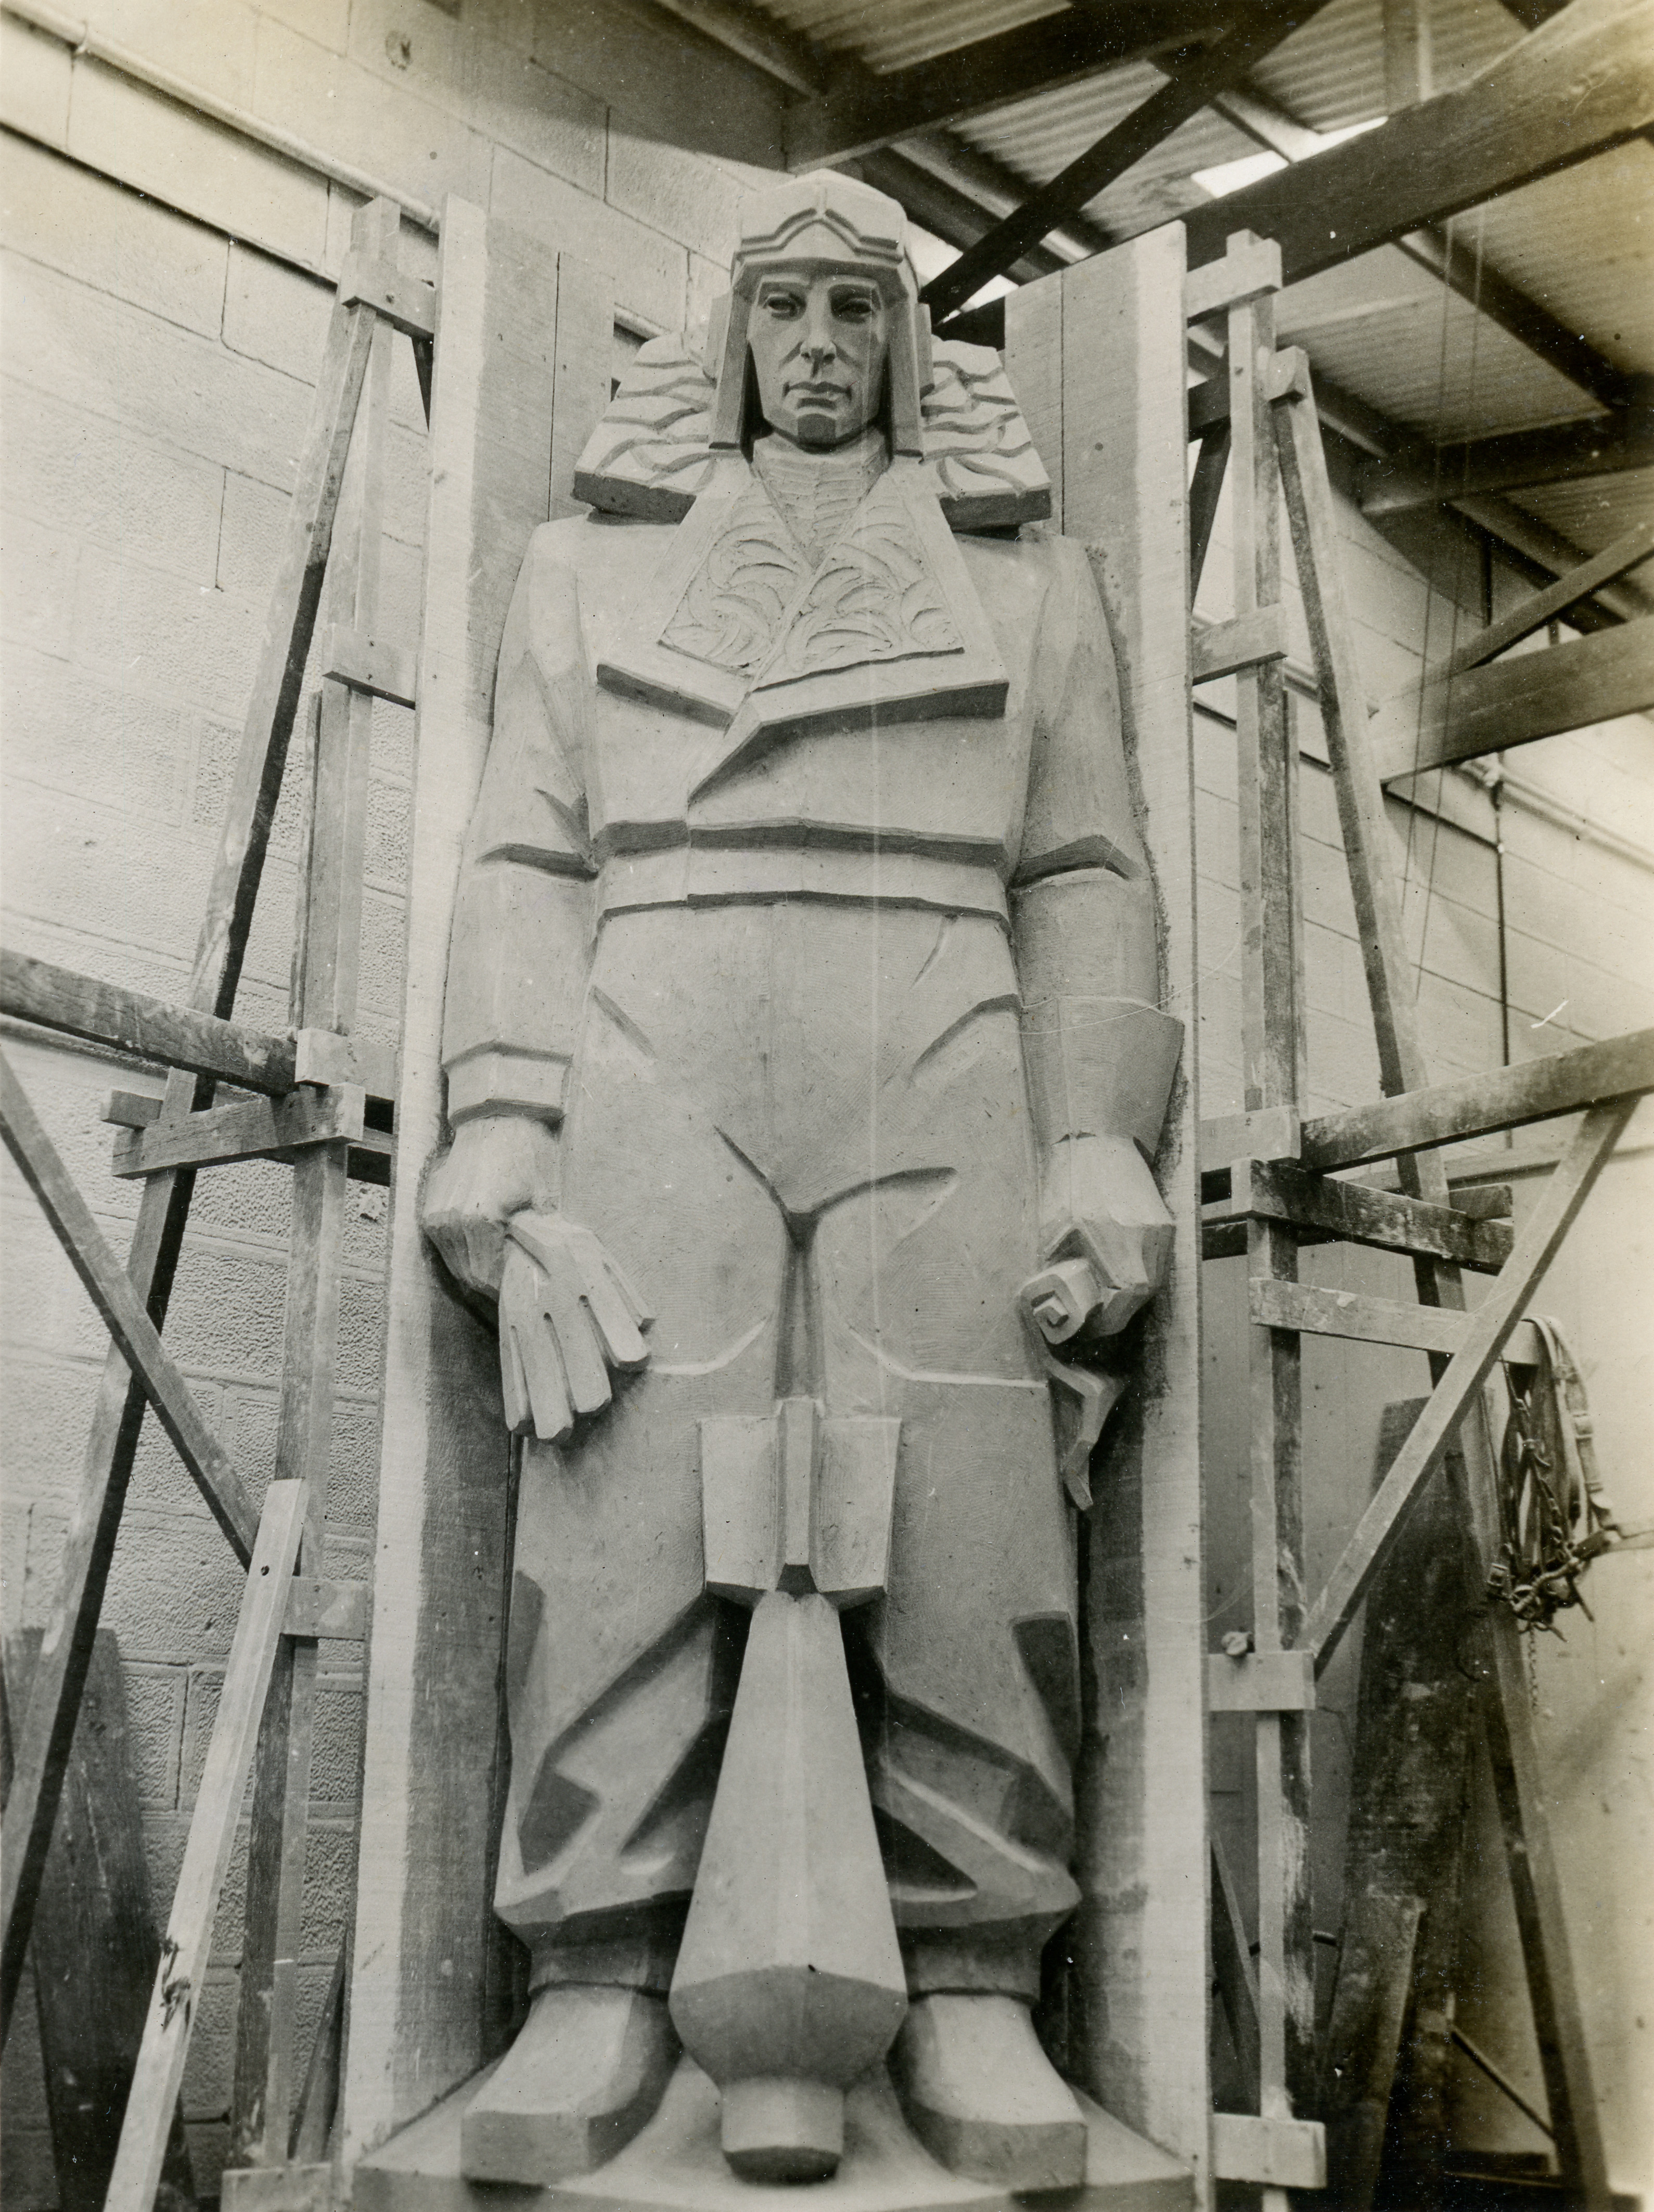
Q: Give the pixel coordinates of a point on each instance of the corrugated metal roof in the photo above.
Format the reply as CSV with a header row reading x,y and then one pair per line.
x,y
1580,244
892,34
1387,331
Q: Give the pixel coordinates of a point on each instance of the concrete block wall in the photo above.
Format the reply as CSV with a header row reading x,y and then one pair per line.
x,y
167,288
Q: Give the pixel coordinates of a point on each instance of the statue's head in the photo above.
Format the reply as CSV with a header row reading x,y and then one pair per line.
x,y
824,333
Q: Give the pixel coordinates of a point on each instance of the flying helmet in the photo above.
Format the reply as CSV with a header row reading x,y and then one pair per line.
x,y
828,222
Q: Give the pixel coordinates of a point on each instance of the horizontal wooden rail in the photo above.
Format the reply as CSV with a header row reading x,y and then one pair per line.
x,y
1460,715
150,1028
1509,1097
1324,1209
1322,1312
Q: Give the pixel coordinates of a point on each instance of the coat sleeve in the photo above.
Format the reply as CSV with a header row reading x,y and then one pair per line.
x,y
522,925
1100,1052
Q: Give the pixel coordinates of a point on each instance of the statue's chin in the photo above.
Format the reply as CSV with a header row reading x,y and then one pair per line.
x,y
820,431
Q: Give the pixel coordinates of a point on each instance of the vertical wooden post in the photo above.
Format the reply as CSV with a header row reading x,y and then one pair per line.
x,y
1111,431
1273,1046
521,376
326,969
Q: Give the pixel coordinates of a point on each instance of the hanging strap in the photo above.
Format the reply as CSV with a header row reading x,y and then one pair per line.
x,y
1555,1517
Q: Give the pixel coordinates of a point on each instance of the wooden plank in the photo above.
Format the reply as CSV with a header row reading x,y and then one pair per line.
x,y
110,1288
1627,551
253,1128
1540,695
1245,273
1204,488
48,1725
1503,129
1260,1682
1269,1133
1489,1326
1221,648
1475,1105
1350,1213
1138,1994
426,2003
188,1941
406,303
1277,2152
93,1930
1375,1321
325,971
1558,453
971,80
1369,2006
1272,1046
129,1021
1192,79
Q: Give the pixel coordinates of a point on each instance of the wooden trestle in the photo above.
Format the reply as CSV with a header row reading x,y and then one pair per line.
x,y
323,1103
1270,1181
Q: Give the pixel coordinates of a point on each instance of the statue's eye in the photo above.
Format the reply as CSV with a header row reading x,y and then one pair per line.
x,y
784,306
854,308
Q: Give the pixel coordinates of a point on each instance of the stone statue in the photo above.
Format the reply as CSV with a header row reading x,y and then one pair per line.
x,y
803,1061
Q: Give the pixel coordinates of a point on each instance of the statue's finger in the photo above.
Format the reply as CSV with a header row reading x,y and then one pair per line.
x,y
542,1358
514,1382
618,1332
570,1321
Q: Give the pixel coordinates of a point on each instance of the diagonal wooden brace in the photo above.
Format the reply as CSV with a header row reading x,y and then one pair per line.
x,y
1490,1326
110,1288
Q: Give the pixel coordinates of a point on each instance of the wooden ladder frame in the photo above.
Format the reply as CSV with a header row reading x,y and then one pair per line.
x,y
1270,1183
322,1101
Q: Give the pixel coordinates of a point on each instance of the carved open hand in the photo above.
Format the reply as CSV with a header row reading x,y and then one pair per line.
x,y
566,1315
1106,1237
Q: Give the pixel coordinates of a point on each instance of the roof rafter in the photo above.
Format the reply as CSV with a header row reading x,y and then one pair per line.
x,y
1581,84
863,111
1192,82
1600,445
1447,257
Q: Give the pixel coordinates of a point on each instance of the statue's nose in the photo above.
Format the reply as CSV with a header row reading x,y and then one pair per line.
x,y
818,345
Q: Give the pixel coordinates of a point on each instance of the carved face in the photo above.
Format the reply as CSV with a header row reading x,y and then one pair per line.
x,y
818,345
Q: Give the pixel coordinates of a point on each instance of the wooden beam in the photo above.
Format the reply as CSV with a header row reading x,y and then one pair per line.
x,y
872,111
174,2004
108,1285
1449,258
1538,695
1548,553
1581,84
1599,444
1374,1321
252,1129
1490,1326
150,1028
1350,1213
1625,552
1504,1098
941,207
1187,89
757,37
995,189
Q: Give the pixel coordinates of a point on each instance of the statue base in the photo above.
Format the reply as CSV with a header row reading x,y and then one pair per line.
x,y
675,2165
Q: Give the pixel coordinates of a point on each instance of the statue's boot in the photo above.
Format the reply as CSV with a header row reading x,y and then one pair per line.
x,y
983,2098
586,2071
